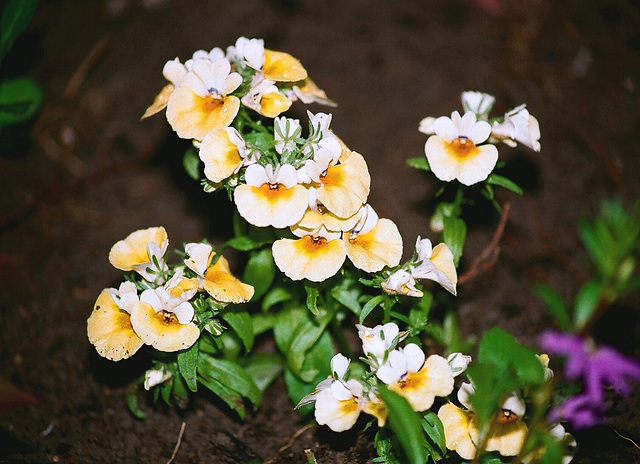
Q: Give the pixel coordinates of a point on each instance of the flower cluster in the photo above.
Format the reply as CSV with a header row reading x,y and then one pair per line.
x,y
160,305
462,147
407,371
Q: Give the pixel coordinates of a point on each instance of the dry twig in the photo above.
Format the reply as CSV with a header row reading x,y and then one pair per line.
x,y
175,450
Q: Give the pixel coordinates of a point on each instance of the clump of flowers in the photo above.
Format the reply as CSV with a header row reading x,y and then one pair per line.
x,y
316,258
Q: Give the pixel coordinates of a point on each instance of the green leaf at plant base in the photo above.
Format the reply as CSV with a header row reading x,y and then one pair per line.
x,y
188,365
132,403
16,16
306,336
20,99
555,304
191,163
406,425
260,272
263,368
347,293
496,179
454,234
240,322
587,300
276,295
419,162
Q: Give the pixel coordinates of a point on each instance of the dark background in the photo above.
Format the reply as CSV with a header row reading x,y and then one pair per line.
x,y
88,173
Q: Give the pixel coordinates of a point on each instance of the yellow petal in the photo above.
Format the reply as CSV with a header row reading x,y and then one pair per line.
x,y
313,219
420,388
161,329
269,205
273,104
109,330
282,67
193,116
224,286
127,253
456,430
377,410
507,438
309,92
313,258
380,247
345,186
160,102
442,258
220,156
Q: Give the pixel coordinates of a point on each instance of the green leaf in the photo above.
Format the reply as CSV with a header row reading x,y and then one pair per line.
x,y
260,272
312,299
262,322
240,322
370,306
406,425
20,99
16,16
191,163
243,243
347,294
276,295
419,162
286,324
188,365
231,375
132,404
263,368
435,440
232,398
555,304
586,302
306,335
454,235
502,181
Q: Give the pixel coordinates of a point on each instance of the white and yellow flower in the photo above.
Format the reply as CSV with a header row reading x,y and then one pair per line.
x,y
153,377
518,126
315,256
140,251
507,431
224,153
308,92
373,243
407,373
201,102
163,318
377,341
271,196
454,151
265,98
221,284
401,282
338,402
109,326
436,263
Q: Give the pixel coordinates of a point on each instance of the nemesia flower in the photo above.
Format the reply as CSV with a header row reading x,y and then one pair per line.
x,y
377,341
139,252
598,367
436,264
373,243
223,153
265,98
401,283
564,438
507,432
153,377
407,373
202,102
271,196
454,151
221,284
109,325
458,362
479,103
249,51
164,316
308,92
518,126
315,256
338,401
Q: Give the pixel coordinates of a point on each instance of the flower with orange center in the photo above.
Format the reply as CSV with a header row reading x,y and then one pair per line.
x,y
373,243
401,282
338,401
163,318
275,66
202,102
223,153
507,432
315,256
109,326
435,264
454,151
407,373
271,197
265,98
140,251
221,284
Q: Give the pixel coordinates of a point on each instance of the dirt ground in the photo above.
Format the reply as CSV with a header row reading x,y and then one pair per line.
x,y
88,172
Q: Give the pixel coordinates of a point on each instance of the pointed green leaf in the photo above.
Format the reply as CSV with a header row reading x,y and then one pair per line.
x,y
587,301
16,16
502,181
260,272
240,322
555,304
188,365
419,162
191,163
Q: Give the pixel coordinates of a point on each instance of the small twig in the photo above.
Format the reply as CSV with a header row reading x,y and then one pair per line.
x,y
489,255
626,438
291,440
83,70
175,450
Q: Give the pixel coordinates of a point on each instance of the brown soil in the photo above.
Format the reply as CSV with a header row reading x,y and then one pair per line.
x,y
90,172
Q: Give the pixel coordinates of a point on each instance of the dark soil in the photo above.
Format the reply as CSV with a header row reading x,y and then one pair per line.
x,y
88,172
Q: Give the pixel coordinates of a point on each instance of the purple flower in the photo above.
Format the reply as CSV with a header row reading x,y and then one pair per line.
x,y
598,367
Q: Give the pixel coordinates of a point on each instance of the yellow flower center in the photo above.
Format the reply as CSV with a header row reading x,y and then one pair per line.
x,y
312,244
275,192
411,381
211,103
349,406
461,148
506,417
332,176
167,318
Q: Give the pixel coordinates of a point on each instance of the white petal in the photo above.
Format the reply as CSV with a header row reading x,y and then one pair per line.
x,y
415,357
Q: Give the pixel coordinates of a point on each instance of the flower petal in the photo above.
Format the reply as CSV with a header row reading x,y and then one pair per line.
x,y
162,330
221,284
380,247
312,258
